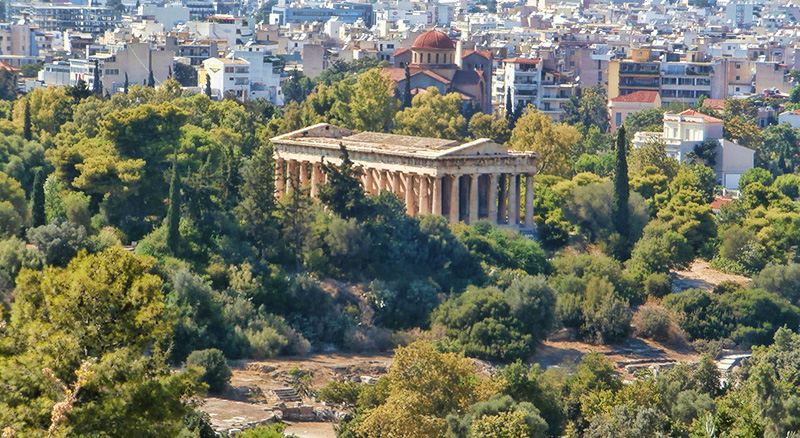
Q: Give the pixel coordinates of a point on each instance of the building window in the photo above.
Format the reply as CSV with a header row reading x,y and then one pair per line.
x,y
429,58
618,121
228,69
437,58
737,78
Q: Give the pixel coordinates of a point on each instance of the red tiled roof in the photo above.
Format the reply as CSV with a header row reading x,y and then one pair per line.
x,y
522,60
719,201
398,74
485,53
715,104
399,52
433,39
4,66
638,97
706,117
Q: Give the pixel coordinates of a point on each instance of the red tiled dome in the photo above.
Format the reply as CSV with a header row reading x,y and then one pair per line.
x,y
433,39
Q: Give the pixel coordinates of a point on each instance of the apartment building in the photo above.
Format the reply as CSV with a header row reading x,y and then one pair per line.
x,y
639,73
227,76
265,74
195,50
685,81
94,20
683,131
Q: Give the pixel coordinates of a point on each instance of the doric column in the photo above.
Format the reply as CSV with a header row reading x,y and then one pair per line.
x,y
513,200
424,196
410,207
529,200
454,199
316,179
492,198
291,177
368,185
280,188
473,198
396,176
303,174
503,204
437,195
384,179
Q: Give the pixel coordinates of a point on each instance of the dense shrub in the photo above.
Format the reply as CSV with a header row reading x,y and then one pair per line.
x,y
216,372
59,241
497,324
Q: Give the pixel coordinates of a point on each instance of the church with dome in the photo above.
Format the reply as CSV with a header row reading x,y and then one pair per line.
x,y
435,60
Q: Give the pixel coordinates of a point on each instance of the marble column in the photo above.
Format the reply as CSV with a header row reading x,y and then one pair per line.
x,y
370,182
454,199
437,195
513,200
396,176
492,198
473,198
291,175
384,179
280,176
424,195
304,174
529,200
316,179
410,207
503,204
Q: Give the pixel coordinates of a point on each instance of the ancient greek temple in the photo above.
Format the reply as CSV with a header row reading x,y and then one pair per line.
x,y
463,182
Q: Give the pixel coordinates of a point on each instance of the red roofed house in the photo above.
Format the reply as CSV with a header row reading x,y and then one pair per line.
x,y
621,107
434,60
685,130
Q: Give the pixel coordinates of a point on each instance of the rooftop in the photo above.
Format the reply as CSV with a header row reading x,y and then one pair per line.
x,y
638,97
433,39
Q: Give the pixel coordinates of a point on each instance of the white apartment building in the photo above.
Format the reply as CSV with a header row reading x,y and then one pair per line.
x,y
265,74
226,76
683,131
521,78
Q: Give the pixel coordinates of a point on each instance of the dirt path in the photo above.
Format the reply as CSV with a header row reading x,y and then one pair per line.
x,y
701,275
310,430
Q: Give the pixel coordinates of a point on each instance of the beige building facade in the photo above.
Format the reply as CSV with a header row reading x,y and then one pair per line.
x,y
463,182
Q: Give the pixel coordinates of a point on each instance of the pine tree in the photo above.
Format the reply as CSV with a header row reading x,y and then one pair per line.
x,y
343,193
620,213
407,89
151,80
174,213
37,200
208,85
126,83
256,209
26,122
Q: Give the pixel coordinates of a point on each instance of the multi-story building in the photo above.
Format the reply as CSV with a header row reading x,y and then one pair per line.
x,y
94,20
233,30
628,75
227,76
196,51
685,81
522,79
18,40
265,74
620,107
136,60
556,88
685,130
346,12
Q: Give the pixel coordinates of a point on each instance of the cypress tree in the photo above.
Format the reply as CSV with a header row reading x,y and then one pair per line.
x,y
620,213
97,85
169,74
37,198
509,106
151,80
407,89
26,122
174,212
126,83
208,85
